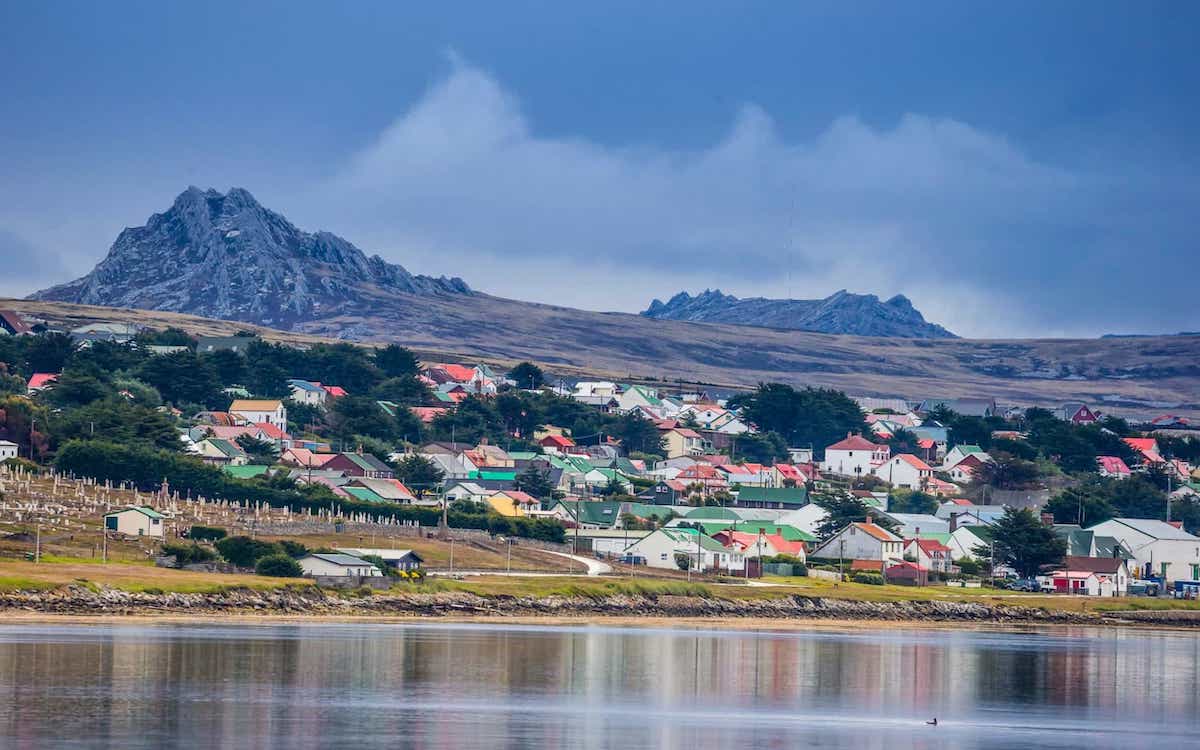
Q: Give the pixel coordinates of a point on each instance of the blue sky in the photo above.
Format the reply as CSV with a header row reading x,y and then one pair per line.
x,y
1017,170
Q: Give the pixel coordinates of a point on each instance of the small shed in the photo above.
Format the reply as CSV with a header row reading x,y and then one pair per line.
x,y
400,559
136,521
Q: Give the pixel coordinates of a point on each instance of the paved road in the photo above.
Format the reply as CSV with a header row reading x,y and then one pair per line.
x,y
594,568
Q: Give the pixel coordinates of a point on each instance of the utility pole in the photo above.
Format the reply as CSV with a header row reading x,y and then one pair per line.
x,y
841,555
37,545
104,544
508,565
451,555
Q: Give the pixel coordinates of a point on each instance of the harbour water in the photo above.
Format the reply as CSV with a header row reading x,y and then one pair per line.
x,y
370,685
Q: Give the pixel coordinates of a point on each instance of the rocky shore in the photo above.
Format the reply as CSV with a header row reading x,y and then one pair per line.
x,y
78,600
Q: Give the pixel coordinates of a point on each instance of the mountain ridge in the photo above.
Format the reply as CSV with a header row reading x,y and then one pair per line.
x,y
840,313
224,255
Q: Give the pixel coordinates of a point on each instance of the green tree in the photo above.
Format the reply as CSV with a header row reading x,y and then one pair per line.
x,y
843,509
418,473
1023,543
535,481
613,487
361,415
1187,509
230,366
527,375
49,352
117,420
260,452
812,416
304,417
244,552
637,433
405,390
397,362
907,501
760,448
75,388
1007,472
278,566
184,378
1085,504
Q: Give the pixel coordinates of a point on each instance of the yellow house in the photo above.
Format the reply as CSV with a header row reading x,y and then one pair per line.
x,y
682,441
512,503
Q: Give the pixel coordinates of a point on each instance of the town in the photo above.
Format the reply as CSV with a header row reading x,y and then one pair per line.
x,y
235,455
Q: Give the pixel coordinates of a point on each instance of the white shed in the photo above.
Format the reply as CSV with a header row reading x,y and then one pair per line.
x,y
8,449
143,521
330,564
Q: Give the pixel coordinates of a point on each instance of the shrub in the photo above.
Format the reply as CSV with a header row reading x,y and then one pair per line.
x,y
970,567
800,569
186,554
377,561
278,565
873,579
15,463
294,550
206,533
245,552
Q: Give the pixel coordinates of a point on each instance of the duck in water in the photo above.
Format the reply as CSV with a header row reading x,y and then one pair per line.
x,y
932,722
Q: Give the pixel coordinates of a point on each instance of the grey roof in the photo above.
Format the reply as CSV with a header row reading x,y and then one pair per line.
x,y
1157,529
339,559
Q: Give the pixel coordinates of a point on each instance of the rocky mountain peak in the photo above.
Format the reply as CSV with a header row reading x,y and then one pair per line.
x,y
224,255
842,312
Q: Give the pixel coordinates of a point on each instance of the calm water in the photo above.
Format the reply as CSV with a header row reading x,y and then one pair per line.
x,y
450,686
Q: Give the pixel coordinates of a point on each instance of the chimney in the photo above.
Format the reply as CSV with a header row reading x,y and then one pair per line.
x,y
953,522
1176,524
1047,519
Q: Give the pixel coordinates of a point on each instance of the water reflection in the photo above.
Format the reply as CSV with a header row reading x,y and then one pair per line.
x,y
442,686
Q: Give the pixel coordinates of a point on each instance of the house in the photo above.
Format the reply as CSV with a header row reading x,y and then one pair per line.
x,y
636,396
905,470
588,514
469,491
863,541
960,453
359,465
304,458
136,521
854,456
1092,576
784,498
400,559
966,470
221,452
1076,412
964,540
759,545
119,333
1146,448
706,475
1158,548
271,411
682,441
307,392
40,381
8,449
660,548
918,524
338,565
210,344
12,324
513,503
556,443
930,555
806,519
1113,466
388,490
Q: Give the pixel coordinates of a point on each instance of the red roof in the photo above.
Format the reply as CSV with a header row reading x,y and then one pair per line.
x,y
334,390
928,545
686,432
701,471
427,413
272,431
517,496
460,373
1112,464
853,443
878,532
915,462
42,379
557,441
926,443
1142,444
13,322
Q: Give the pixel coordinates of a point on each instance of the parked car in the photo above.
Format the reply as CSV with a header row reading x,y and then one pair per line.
x,y
633,560
1025,584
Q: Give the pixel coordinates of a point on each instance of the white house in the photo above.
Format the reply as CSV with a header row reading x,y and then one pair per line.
x,y
8,449
1158,548
660,547
330,564
806,518
863,541
960,452
307,392
136,521
930,554
1092,576
401,559
854,456
905,470
271,411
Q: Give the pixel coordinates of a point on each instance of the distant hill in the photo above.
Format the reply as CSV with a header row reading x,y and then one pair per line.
x,y
225,256
839,313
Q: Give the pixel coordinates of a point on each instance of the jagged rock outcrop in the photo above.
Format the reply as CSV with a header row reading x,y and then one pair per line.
x,y
226,256
839,313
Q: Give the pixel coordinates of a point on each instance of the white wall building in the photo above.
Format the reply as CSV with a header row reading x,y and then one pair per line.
x,y
136,522
854,456
322,564
271,411
8,449
1158,548
863,541
905,470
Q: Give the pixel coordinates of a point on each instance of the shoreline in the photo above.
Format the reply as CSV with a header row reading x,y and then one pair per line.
x,y
84,604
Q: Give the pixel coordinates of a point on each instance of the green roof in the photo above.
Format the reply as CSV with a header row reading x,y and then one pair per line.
x,y
362,493
498,476
598,512
145,510
646,510
969,448
684,534
796,496
246,472
522,455
790,533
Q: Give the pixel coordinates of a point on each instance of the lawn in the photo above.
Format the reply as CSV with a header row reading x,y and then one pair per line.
x,y
126,577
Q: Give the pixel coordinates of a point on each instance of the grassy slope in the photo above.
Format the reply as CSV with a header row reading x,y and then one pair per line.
x,y
617,345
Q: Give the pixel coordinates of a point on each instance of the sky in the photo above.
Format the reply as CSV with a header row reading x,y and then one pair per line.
x,y
1016,169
